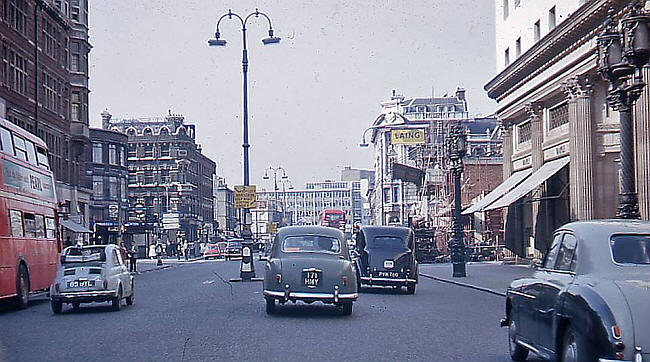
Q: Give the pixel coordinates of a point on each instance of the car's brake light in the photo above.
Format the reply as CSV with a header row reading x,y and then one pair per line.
x,y
345,281
278,278
616,332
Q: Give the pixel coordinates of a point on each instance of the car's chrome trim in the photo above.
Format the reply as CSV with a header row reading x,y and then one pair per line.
x,y
307,295
528,346
529,296
371,279
97,293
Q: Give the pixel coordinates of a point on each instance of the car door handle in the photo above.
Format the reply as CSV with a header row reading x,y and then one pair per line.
x,y
545,312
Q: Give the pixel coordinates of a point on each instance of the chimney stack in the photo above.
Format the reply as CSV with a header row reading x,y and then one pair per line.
x,y
106,119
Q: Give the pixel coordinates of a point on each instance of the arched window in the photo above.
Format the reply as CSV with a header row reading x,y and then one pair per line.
x,y
164,131
147,131
131,131
181,131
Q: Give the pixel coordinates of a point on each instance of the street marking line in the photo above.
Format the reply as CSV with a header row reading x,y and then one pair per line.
x,y
471,286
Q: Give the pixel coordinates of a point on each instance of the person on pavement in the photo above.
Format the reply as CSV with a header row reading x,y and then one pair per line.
x,y
133,258
179,251
152,251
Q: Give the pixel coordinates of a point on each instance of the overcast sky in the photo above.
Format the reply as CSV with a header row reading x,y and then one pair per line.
x,y
310,97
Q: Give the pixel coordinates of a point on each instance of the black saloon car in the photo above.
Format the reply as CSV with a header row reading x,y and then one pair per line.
x,y
588,300
387,257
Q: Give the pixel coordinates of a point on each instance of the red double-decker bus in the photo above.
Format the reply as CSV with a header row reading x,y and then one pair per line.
x,y
332,218
29,241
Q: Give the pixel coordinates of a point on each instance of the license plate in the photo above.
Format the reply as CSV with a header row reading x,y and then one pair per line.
x,y
383,274
81,283
311,278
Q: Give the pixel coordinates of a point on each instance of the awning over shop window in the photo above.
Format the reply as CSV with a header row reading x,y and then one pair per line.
x,y
74,227
408,173
498,191
537,178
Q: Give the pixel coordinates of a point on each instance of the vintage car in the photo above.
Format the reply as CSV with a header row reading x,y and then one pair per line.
x,y
211,251
588,299
91,274
310,263
233,250
386,257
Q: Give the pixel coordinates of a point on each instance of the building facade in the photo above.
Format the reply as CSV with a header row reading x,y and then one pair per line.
x,y
108,170
224,207
44,78
170,183
561,137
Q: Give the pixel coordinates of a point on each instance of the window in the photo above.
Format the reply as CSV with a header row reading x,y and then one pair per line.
x,y
550,257
123,188
525,132
551,19
50,39
19,73
31,151
164,150
98,186
50,228
311,244
506,9
558,116
506,57
536,31
566,254
16,223
112,187
123,158
97,153
631,249
34,225
387,242
518,48
112,154
132,152
7,144
42,160
20,149
148,150
17,15
148,177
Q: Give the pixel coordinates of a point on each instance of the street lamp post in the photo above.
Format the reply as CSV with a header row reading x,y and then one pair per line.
x,y
381,169
284,198
456,149
247,269
622,54
284,176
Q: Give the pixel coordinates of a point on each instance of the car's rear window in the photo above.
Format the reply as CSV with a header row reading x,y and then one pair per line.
x,y
631,249
84,255
311,244
387,242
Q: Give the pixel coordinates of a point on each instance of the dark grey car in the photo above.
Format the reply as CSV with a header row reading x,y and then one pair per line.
x,y
310,263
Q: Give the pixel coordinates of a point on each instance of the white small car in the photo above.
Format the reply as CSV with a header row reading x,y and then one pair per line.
x,y
89,274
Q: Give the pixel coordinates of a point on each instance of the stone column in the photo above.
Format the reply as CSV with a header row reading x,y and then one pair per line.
x,y
507,149
642,144
534,111
581,182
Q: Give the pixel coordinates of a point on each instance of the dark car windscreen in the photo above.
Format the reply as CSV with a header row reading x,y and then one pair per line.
x,y
631,249
311,244
84,255
387,242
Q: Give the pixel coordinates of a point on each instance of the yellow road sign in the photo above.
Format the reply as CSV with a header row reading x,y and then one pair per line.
x,y
412,136
271,227
245,197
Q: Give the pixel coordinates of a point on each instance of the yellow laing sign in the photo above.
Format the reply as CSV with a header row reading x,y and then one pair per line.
x,y
245,197
407,136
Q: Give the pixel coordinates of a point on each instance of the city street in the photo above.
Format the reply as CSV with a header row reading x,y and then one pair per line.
x,y
187,312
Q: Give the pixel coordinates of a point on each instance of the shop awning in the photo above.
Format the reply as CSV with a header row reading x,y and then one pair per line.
x,y
498,191
74,227
408,173
537,178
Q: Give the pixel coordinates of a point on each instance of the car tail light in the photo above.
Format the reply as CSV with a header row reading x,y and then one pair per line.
x,y
345,281
619,346
105,284
619,355
616,332
278,278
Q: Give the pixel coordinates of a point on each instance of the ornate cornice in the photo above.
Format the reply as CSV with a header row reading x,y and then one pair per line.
x,y
578,86
579,28
534,110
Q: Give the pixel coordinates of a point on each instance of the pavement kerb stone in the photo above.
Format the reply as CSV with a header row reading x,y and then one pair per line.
x,y
466,285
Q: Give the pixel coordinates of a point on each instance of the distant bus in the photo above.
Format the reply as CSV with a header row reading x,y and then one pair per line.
x,y
332,218
29,241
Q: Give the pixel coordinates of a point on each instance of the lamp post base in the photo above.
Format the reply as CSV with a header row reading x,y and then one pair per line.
x,y
247,267
459,270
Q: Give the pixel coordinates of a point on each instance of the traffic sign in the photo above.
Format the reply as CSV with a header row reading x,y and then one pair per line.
x,y
271,227
245,197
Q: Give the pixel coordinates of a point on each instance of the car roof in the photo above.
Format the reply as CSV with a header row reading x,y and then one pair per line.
x,y
373,231
594,251
309,230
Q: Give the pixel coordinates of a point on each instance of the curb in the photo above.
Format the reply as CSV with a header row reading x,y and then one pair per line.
x,y
475,287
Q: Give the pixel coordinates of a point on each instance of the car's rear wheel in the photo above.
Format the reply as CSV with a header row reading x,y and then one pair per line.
x,y
22,287
575,347
57,307
116,303
410,289
346,308
270,306
130,298
517,351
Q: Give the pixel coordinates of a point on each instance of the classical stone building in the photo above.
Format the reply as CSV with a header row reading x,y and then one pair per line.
x,y
168,175
224,206
561,144
44,88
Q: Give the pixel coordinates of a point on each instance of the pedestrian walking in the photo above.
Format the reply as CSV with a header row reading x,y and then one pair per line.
x,y
179,251
133,258
186,250
152,251
159,251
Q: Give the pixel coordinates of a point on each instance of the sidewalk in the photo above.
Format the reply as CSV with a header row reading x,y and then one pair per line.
x,y
490,277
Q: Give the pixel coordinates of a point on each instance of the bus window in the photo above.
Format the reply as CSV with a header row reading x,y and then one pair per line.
x,y
42,158
30,225
7,145
31,152
40,226
16,223
50,228
20,149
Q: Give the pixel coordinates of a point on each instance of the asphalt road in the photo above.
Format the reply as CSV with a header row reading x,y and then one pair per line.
x,y
187,313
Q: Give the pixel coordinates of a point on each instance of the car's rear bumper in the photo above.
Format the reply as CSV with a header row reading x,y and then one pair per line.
x,y
311,296
85,297
370,280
